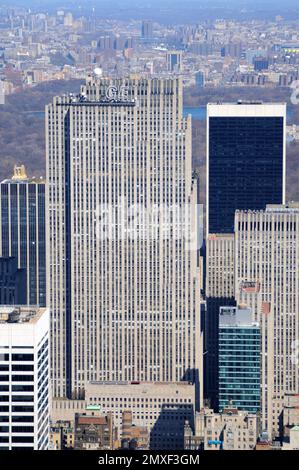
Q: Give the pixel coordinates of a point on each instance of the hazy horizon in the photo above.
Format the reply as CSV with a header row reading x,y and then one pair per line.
x,y
168,11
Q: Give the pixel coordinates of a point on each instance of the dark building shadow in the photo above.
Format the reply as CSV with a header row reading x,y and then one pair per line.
x,y
168,431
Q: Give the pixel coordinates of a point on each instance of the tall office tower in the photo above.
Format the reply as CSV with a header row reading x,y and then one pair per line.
x,y
123,276
147,29
22,230
219,292
245,160
24,378
239,360
266,267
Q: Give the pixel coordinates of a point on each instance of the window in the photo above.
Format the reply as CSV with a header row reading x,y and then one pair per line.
x,y
22,429
24,439
22,409
22,378
22,357
20,398
22,419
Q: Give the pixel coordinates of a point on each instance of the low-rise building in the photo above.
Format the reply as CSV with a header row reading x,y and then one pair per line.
x,y
133,436
55,438
292,443
93,430
230,430
62,435
160,407
290,412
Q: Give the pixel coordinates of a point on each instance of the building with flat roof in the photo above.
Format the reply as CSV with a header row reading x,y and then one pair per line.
x,y
292,443
133,436
160,407
239,362
246,150
290,412
124,295
230,430
24,377
147,29
23,230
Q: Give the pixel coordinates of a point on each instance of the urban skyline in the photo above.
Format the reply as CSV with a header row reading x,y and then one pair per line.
x,y
149,262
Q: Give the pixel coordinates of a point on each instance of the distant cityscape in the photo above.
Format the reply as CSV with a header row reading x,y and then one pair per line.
x,y
38,47
136,314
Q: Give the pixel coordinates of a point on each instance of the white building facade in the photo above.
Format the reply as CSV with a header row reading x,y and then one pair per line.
x,y
24,378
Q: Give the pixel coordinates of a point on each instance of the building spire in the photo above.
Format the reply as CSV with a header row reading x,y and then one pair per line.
x,y
19,173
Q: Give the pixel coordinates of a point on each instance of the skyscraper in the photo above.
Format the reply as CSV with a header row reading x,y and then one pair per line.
x,y
123,278
24,377
266,269
245,160
147,29
22,230
239,360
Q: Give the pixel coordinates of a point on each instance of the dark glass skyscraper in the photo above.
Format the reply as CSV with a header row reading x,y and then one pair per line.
x,y
22,230
246,160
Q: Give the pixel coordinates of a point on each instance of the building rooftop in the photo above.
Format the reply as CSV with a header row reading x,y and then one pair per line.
x,y
166,384
292,206
280,207
20,314
87,420
246,102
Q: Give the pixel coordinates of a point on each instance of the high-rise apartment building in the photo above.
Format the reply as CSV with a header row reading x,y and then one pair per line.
x,y
239,360
123,277
245,160
266,269
147,29
24,378
22,230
